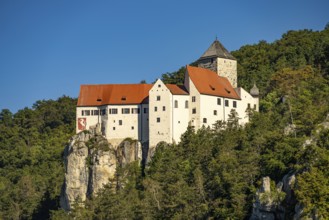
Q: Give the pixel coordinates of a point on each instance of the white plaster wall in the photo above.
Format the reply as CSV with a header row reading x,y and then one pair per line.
x,y
246,99
160,131
91,120
194,119
228,69
180,116
130,123
209,104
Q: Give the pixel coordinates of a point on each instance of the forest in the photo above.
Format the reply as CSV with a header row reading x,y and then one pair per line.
x,y
213,173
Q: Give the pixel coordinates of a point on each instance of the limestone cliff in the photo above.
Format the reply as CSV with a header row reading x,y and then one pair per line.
x,y
90,161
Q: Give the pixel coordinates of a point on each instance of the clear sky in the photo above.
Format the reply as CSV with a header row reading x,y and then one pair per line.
x,y
48,48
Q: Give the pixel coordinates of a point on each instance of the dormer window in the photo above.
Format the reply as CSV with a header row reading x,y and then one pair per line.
x,y
123,98
99,100
212,88
228,91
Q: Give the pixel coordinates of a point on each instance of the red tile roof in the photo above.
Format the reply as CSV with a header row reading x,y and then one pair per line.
x,y
208,82
177,89
120,94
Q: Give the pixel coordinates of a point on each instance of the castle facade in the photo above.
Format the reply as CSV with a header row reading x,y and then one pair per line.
x,y
152,113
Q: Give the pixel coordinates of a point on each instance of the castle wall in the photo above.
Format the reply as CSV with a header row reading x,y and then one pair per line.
x,y
180,116
160,114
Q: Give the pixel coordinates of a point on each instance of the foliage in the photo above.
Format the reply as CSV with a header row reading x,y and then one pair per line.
x,y
31,167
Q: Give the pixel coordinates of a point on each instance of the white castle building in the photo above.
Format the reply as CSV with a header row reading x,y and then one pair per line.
x,y
152,113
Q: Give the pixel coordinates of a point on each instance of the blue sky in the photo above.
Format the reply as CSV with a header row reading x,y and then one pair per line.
x,y
48,48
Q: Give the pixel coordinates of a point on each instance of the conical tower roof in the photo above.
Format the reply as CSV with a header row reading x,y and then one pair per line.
x,y
216,49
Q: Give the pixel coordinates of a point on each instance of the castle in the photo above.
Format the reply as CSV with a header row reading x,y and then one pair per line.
x,y
152,113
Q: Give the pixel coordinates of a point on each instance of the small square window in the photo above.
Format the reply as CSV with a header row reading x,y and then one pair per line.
x,y
255,106
132,128
158,98
113,128
159,85
155,109
215,112
158,120
248,105
204,120
120,122
163,108
194,111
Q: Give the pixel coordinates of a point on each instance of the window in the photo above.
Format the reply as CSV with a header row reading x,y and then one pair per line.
x,y
215,112
219,101
194,111
120,122
159,85
248,105
135,111
193,98
234,104
226,103
145,110
82,112
158,120
176,104
186,104
103,111
254,106
87,112
204,120
113,128
126,111
132,128
163,108
155,109
113,111
96,112
158,98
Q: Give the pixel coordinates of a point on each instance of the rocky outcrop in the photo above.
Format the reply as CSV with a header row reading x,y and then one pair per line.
x,y
90,162
267,204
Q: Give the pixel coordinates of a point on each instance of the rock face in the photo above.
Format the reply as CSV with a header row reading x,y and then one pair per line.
x,y
90,161
267,202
